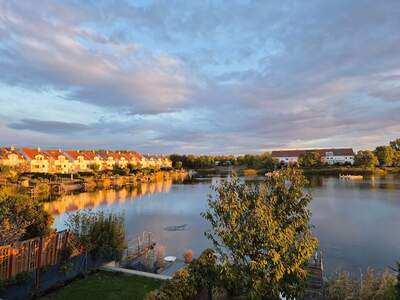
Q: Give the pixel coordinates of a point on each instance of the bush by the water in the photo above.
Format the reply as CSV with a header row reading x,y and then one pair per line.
x,y
371,286
99,233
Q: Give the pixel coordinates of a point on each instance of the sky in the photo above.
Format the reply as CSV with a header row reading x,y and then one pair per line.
x,y
199,76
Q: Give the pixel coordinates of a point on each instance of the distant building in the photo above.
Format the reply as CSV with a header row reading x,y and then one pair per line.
x,y
329,156
108,159
59,162
11,157
94,159
38,160
78,159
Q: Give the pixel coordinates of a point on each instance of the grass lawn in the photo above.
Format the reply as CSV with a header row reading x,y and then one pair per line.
x,y
106,286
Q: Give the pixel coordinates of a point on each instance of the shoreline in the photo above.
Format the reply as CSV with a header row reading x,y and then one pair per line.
x,y
42,187
334,170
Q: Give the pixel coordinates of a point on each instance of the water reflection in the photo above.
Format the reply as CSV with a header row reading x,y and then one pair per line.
x,y
356,221
71,203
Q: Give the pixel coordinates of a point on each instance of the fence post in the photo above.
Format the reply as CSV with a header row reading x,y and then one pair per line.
x,y
40,252
10,261
39,265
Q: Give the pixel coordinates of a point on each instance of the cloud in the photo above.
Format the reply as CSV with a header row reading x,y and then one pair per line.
x,y
202,77
53,52
50,127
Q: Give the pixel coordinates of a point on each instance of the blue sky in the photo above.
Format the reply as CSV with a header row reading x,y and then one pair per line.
x,y
199,76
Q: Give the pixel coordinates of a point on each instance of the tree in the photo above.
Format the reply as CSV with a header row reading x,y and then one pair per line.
x,y
366,159
178,165
310,159
94,167
396,159
385,155
21,217
395,144
262,234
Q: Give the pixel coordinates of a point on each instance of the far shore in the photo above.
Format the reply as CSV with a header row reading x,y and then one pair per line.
x,y
325,170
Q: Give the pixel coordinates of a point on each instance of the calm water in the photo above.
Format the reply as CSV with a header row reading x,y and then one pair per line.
x,y
357,222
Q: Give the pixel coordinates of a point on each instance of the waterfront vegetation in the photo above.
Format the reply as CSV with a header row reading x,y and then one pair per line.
x,y
21,217
261,236
370,286
102,235
383,160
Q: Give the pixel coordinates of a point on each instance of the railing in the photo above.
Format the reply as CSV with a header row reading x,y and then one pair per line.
x,y
33,254
140,245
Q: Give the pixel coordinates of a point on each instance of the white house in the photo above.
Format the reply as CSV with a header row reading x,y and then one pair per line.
x,y
329,156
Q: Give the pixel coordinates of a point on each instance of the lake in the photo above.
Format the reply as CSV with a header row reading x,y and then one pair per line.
x,y
356,221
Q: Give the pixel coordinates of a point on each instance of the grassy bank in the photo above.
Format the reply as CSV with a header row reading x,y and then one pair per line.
x,y
106,286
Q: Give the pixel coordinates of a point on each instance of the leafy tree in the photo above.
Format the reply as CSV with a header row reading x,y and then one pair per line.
x,y
385,155
366,159
262,234
94,167
396,159
117,170
178,165
395,144
310,159
21,217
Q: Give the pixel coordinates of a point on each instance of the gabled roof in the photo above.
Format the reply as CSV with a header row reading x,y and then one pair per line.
x,y
90,155
55,154
116,155
74,154
30,153
322,152
105,154
5,152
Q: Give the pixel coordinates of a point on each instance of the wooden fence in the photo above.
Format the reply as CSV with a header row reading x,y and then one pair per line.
x,y
33,254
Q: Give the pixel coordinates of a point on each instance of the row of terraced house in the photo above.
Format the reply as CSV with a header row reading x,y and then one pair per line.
x,y
36,160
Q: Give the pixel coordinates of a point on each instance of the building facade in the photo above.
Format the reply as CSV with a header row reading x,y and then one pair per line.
x,y
329,156
38,161
12,158
79,162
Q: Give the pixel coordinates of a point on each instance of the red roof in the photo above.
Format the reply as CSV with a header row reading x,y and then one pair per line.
x,y
322,152
75,153
115,155
32,152
90,155
105,154
5,152
55,153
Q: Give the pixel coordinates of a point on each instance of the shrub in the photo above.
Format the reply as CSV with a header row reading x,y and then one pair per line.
x,y
371,286
99,233
189,282
188,256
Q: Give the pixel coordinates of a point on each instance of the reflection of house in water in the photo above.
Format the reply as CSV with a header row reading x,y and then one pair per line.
x,y
71,203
